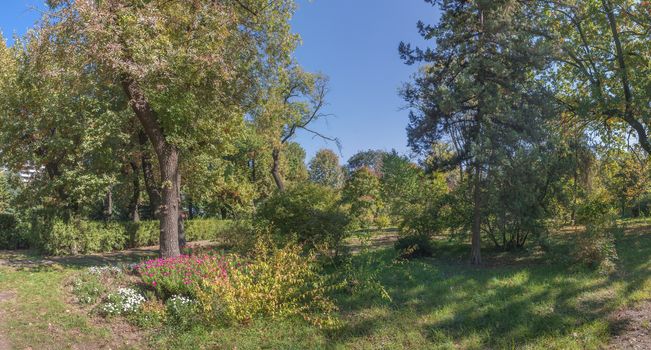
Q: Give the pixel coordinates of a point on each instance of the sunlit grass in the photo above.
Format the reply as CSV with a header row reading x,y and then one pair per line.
x,y
515,301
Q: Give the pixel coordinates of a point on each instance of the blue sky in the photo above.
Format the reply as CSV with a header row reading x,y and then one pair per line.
x,y
355,43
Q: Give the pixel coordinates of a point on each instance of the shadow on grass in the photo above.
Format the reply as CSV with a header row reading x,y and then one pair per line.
x,y
536,299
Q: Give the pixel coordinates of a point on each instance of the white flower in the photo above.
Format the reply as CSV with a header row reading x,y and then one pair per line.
x,y
98,270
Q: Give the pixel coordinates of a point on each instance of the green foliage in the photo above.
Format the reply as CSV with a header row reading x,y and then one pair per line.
x,y
5,193
415,246
182,312
427,213
306,213
324,169
595,248
11,236
57,237
151,314
371,159
362,193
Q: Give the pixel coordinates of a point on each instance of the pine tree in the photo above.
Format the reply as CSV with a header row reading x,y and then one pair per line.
x,y
475,88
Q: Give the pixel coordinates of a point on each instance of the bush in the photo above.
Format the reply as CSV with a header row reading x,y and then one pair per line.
x,y
414,246
595,248
183,275
10,233
182,311
57,237
308,214
276,283
150,314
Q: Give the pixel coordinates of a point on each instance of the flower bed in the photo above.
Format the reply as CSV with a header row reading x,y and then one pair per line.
x,y
183,275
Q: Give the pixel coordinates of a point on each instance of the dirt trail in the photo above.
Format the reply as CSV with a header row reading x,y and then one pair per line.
x,y
5,297
632,328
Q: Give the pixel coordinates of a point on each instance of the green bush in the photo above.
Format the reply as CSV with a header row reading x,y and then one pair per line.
x,y
57,237
595,248
414,246
11,236
307,213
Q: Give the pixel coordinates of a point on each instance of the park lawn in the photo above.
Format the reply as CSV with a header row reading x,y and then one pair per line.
x,y
530,300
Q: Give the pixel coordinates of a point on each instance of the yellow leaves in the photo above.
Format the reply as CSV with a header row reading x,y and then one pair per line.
x,y
276,283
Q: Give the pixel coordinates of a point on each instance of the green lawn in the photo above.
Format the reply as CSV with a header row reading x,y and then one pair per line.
x,y
531,300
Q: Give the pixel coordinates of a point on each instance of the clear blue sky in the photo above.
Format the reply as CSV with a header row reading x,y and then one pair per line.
x,y
355,43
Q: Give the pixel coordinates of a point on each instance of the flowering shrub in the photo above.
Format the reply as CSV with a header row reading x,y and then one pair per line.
x,y
183,275
275,283
182,311
125,301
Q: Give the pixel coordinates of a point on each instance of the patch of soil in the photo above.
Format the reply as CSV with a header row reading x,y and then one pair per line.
x,y
6,296
631,328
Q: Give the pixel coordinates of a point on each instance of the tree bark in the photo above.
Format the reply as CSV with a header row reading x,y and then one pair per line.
x,y
275,170
148,175
169,208
168,160
182,239
475,254
134,214
108,204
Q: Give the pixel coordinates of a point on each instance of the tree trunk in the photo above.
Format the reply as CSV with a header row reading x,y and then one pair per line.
x,y
148,175
475,256
169,208
134,214
181,215
168,161
275,170
108,205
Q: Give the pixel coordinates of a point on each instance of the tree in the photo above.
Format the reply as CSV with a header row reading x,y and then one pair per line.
x,y
362,193
5,193
290,104
324,169
188,70
401,183
476,88
60,121
602,52
371,159
294,169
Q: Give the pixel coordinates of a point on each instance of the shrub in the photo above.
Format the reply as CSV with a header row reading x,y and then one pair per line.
x,y
414,246
150,314
182,311
276,283
595,248
308,214
184,274
57,237
11,236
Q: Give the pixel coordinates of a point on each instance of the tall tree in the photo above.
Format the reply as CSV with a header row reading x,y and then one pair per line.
x,y
603,58
475,87
290,104
324,169
187,68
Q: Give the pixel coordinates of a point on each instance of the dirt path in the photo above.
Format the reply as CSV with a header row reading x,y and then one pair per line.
x,y
5,297
632,328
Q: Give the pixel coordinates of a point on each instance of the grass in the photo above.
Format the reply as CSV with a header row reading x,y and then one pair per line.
x,y
526,300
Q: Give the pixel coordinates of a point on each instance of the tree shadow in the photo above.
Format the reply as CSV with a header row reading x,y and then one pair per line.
x,y
513,301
